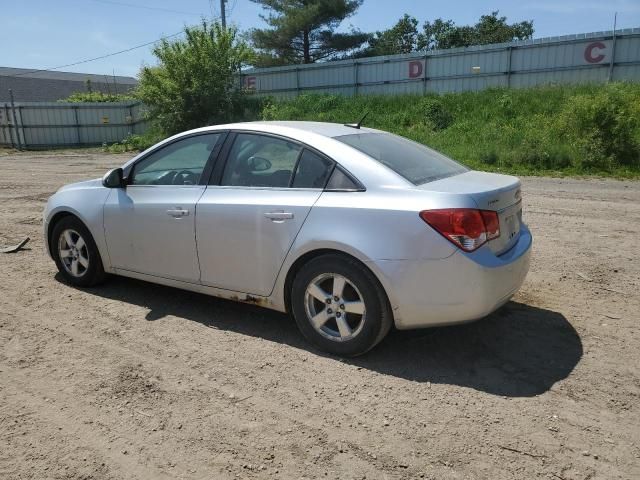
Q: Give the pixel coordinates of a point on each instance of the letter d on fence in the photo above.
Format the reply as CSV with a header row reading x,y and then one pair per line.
x,y
415,69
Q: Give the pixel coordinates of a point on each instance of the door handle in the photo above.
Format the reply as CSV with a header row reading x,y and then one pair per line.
x,y
278,216
178,212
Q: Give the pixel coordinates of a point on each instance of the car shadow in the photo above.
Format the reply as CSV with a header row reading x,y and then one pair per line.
x,y
518,351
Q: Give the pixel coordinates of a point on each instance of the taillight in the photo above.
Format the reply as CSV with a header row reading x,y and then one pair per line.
x,y
467,228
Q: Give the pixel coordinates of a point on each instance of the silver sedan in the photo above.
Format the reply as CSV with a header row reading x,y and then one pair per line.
x,y
349,229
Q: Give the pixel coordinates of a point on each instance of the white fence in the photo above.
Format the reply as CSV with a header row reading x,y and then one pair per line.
x,y
586,58
592,57
51,124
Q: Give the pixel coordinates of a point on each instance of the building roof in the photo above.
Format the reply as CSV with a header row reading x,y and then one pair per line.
x,y
68,76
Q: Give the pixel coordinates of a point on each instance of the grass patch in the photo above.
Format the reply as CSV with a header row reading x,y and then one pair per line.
x,y
553,130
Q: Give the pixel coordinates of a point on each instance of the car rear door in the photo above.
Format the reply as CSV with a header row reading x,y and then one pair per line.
x,y
255,205
150,224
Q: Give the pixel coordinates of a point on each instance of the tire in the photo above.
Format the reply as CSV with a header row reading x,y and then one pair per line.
x,y
312,305
75,253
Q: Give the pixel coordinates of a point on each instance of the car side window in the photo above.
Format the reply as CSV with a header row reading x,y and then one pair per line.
x,y
312,171
179,163
260,161
341,182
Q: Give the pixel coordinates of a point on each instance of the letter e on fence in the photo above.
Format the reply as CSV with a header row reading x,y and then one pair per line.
x,y
591,54
250,83
415,69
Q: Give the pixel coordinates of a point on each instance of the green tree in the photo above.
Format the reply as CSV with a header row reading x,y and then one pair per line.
x,y
494,29
303,31
441,34
195,83
401,38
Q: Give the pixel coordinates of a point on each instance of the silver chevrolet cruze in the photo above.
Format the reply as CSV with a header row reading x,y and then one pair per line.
x,y
349,229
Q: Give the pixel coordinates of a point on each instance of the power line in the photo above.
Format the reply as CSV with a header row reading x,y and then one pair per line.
x,y
146,7
97,58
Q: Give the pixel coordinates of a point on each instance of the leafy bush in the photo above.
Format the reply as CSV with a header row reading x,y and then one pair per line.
x,y
435,113
97,97
136,143
195,82
489,158
602,128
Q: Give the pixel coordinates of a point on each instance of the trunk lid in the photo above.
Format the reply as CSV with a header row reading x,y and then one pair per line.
x,y
490,191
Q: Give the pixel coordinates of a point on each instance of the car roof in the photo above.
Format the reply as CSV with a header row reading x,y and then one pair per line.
x,y
324,129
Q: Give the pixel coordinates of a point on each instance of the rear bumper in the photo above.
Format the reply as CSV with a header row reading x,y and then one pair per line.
x,y
457,289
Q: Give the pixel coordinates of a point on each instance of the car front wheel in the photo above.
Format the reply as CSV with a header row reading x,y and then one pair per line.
x,y
340,306
75,253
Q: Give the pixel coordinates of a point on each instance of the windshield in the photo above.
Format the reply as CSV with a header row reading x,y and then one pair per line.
x,y
411,160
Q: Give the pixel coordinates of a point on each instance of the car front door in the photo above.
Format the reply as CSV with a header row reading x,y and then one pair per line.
x,y
254,208
150,224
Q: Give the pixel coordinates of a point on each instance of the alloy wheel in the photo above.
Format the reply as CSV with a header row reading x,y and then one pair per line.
x,y
334,306
73,253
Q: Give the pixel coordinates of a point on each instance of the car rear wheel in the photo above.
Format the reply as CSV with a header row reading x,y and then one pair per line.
x,y
340,306
75,253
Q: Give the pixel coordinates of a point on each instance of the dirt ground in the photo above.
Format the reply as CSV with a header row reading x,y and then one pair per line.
x,y
133,380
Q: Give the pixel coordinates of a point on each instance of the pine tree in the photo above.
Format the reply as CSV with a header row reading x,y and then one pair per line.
x,y
304,31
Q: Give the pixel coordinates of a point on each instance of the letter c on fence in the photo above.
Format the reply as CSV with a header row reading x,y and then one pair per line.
x,y
588,52
415,69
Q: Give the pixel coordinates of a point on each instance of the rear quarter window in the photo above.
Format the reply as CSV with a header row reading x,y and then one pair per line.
x,y
415,162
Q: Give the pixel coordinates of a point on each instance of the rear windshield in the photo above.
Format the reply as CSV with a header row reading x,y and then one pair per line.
x,y
411,160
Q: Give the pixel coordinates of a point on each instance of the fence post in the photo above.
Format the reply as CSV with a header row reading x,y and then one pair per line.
x,y
23,139
6,128
15,120
424,87
356,64
613,49
75,116
510,50
132,127
297,81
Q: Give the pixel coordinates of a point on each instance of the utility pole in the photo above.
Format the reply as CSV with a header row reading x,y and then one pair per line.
x,y
223,15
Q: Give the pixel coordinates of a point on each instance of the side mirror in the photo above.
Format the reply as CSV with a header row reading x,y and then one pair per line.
x,y
259,164
113,179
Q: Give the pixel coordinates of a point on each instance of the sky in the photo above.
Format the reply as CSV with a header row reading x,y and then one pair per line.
x,y
44,33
